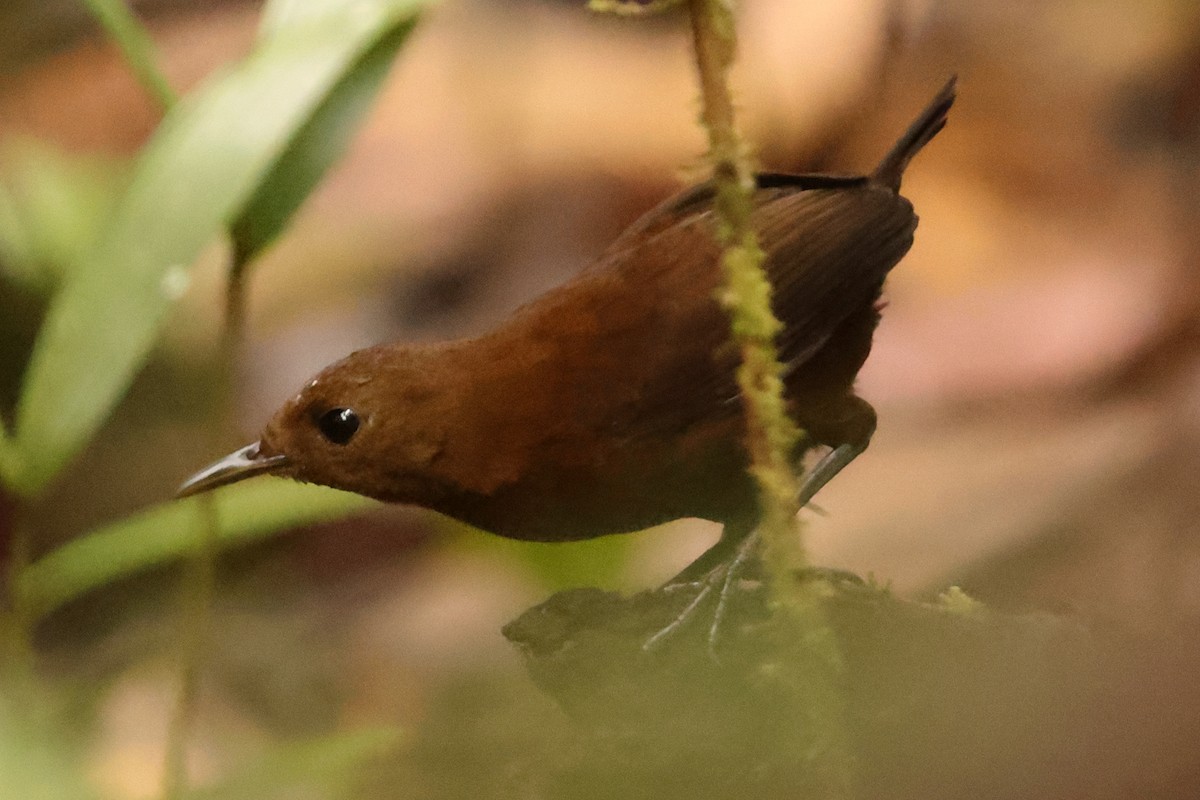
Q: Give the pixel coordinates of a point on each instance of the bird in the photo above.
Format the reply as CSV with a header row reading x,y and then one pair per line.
x,y
609,404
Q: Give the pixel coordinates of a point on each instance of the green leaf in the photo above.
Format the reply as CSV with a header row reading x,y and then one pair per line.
x,y
314,148
203,165
332,764
136,46
248,513
14,240
633,8
292,15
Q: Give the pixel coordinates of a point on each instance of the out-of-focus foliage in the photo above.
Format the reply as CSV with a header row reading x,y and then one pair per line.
x,y
111,251
331,765
523,137
247,513
317,143
207,160
34,761
124,29
593,562
53,209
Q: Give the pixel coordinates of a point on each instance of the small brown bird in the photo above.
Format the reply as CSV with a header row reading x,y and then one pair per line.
x,y
609,404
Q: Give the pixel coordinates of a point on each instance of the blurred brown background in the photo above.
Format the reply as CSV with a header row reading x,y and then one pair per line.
x,y
1036,373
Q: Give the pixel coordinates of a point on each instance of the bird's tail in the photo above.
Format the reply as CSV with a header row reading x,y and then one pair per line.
x,y
924,128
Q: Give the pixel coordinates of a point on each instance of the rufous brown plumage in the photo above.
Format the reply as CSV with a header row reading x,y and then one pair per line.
x,y
609,404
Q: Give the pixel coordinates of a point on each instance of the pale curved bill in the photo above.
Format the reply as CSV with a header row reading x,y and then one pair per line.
x,y
236,466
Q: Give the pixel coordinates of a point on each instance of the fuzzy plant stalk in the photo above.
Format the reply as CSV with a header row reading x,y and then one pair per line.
x,y
771,433
746,296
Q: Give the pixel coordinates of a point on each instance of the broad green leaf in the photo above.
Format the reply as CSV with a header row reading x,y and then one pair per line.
x,y
198,172
314,148
328,767
248,513
281,15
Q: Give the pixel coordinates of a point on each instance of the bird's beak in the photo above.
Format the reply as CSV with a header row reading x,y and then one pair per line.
x,y
232,468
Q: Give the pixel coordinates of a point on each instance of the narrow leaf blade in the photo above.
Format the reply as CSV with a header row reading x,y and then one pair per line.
x,y
248,513
136,46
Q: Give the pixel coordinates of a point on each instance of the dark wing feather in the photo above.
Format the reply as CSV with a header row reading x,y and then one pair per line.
x,y
698,199
830,241
829,252
829,249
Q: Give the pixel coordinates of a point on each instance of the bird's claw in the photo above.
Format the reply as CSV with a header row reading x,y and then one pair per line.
x,y
722,580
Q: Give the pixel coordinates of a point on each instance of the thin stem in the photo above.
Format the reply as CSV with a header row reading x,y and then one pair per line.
x,y
770,432
199,591
136,46
198,595
235,308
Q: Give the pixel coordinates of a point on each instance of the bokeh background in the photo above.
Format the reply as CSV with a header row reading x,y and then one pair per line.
x,y
1037,374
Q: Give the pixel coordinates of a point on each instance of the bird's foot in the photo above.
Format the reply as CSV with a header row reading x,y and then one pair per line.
x,y
719,583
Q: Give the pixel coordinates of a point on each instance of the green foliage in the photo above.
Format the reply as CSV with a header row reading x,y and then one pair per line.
x,y
53,209
956,601
632,8
248,512
332,765
202,169
318,143
111,249
596,562
8,455
34,764
558,565
137,47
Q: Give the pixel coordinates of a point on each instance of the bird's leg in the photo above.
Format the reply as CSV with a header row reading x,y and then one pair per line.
x,y
852,431
833,462
684,617
722,552
748,545
716,571
848,425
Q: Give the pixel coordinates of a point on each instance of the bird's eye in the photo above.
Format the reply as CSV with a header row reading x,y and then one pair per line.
x,y
338,425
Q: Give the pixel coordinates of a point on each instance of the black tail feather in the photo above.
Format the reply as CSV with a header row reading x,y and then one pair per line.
x,y
924,128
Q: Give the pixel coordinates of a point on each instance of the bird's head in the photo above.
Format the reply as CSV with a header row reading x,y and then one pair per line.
x,y
372,423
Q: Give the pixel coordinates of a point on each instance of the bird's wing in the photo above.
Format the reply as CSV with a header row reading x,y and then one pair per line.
x,y
698,199
828,254
830,244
